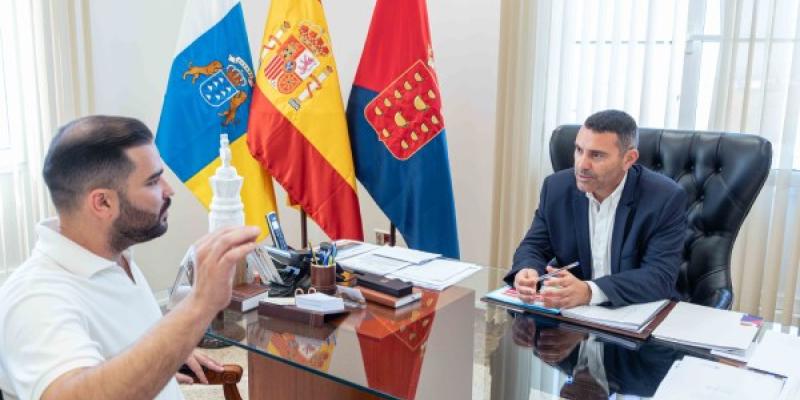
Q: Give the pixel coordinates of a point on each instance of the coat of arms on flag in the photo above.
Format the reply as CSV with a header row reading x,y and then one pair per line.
x,y
223,85
296,60
405,114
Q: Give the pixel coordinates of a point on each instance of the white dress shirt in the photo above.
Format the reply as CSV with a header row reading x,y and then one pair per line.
x,y
601,228
66,308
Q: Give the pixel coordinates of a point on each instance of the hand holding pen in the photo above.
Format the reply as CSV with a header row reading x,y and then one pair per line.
x,y
566,290
556,272
527,280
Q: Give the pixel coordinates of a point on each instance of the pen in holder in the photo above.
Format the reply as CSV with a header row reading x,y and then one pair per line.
x,y
323,268
323,278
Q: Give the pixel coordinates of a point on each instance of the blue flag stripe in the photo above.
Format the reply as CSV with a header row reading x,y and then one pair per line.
x,y
189,144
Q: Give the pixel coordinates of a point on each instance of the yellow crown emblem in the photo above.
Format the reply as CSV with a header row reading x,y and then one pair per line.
x,y
312,38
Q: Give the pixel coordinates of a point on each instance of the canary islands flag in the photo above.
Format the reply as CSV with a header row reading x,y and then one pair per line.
x,y
397,129
298,129
208,93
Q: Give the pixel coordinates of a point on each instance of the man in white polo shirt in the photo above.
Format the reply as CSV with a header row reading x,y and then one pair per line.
x,y
78,319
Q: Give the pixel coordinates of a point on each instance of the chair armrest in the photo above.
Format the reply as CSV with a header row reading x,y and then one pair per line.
x,y
228,378
724,299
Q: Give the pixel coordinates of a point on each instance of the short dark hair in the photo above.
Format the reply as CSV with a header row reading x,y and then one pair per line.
x,y
618,122
89,153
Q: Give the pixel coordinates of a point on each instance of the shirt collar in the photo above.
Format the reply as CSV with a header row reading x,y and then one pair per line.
x,y
68,254
614,196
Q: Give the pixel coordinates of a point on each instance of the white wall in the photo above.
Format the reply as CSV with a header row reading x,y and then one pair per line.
x,y
132,47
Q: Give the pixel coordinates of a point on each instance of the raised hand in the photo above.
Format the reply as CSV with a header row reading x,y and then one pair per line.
x,y
216,256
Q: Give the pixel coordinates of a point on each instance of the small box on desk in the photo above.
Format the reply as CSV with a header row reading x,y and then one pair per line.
x,y
294,313
392,287
246,296
388,300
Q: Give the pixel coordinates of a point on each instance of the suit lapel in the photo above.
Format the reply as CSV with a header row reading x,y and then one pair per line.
x,y
624,208
580,213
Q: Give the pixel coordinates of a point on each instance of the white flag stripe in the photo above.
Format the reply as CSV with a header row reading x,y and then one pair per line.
x,y
200,16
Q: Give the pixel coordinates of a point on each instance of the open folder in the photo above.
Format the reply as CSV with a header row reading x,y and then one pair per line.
x,y
637,320
632,318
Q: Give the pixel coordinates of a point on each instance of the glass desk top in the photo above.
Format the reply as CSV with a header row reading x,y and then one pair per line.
x,y
450,345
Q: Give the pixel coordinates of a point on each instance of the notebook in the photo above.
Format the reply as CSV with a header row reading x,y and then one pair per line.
x,y
509,295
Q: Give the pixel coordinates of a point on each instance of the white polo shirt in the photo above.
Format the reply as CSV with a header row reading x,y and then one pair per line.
x,y
66,308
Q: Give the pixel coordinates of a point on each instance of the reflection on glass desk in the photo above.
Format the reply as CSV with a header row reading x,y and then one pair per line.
x,y
447,346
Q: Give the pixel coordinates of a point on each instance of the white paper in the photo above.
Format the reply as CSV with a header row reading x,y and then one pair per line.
x,y
373,263
350,248
791,389
778,353
633,317
437,270
695,378
319,302
408,255
281,301
705,327
436,274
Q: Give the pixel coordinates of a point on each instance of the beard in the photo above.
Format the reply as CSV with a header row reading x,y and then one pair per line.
x,y
135,225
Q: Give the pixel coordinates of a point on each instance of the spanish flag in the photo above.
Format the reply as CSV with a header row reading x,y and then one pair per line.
x,y
209,92
298,129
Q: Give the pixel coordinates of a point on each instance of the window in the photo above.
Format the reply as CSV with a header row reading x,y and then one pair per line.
x,y
678,64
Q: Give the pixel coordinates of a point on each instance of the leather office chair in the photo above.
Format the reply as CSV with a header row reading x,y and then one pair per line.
x,y
721,172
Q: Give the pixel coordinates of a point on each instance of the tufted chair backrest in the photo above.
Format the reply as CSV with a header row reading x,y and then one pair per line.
x,y
721,172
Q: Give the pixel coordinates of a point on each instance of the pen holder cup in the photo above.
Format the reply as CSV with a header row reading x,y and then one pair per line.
x,y
323,278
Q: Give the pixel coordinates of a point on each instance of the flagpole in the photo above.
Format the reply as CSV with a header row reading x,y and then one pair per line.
x,y
303,228
392,234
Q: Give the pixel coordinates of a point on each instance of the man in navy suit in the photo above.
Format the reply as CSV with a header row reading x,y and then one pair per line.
x,y
623,223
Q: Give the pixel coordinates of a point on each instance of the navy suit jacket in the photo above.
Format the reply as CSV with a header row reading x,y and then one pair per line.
x,y
631,372
646,243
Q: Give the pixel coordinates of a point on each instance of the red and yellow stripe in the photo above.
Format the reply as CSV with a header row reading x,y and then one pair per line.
x,y
306,149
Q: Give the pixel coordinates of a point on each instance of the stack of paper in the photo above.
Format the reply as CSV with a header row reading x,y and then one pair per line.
x,y
410,256
423,269
633,318
373,263
319,302
736,354
706,327
350,248
695,378
436,274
